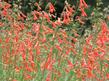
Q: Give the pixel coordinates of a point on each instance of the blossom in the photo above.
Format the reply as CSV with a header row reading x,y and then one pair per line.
x,y
36,4
48,78
66,19
1,24
58,47
0,40
7,40
51,8
89,73
104,27
4,12
7,5
70,64
23,15
34,15
36,27
15,80
24,56
83,12
69,10
83,4
84,64
46,16
27,76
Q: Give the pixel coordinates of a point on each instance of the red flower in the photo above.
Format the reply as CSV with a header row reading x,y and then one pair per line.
x,y
0,5
83,4
22,26
58,47
1,24
14,80
27,76
84,50
48,78
80,20
66,19
68,51
69,10
89,73
7,40
38,50
84,64
0,40
36,4
17,69
24,56
107,75
104,27
36,27
96,54
46,16
4,12
7,5
22,47
89,39
83,12
58,22
60,40
70,64
37,47
51,8
23,15
53,24
16,38
34,15
32,64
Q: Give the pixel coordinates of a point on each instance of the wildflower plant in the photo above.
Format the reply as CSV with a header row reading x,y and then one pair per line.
x,y
33,47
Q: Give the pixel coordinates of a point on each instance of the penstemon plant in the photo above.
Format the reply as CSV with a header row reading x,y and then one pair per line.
x,y
34,47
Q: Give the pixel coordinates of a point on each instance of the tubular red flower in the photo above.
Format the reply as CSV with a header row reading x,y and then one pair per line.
x,y
34,15
48,78
83,12
7,40
84,50
84,64
89,73
83,4
58,47
66,19
46,16
36,4
1,24
7,5
104,27
4,12
36,27
0,40
107,75
27,76
70,64
51,8
24,56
